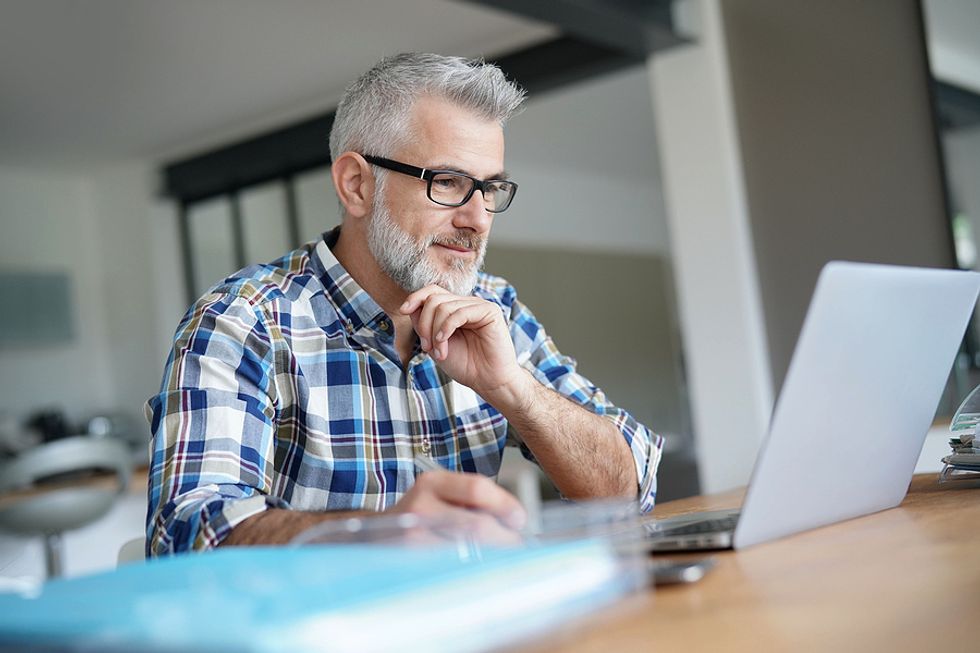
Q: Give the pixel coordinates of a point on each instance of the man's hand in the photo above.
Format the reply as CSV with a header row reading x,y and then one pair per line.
x,y
469,340
470,504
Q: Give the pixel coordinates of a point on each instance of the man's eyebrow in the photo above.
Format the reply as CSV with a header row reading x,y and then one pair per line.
x,y
503,174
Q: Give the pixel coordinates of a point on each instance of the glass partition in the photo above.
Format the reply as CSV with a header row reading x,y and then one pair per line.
x,y
212,242
265,228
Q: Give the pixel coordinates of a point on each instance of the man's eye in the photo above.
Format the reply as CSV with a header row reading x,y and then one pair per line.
x,y
447,182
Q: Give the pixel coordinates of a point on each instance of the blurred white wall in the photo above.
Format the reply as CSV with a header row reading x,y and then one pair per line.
x,y
117,242
586,161
50,224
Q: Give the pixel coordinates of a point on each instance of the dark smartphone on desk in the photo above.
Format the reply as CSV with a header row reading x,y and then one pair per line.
x,y
672,572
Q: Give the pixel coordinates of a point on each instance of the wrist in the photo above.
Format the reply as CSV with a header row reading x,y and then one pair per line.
x,y
514,394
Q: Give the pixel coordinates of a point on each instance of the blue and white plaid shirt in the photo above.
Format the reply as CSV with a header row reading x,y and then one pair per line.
x,y
284,389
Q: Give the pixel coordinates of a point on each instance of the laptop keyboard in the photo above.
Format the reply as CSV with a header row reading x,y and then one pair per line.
x,y
699,527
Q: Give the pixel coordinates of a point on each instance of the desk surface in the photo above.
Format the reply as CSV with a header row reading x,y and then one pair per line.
x,y
902,579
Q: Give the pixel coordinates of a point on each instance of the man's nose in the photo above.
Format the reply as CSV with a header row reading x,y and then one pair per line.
x,y
474,214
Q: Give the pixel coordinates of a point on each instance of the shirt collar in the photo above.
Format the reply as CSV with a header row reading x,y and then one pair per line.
x,y
353,303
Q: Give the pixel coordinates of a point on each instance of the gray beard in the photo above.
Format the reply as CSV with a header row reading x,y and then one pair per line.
x,y
404,259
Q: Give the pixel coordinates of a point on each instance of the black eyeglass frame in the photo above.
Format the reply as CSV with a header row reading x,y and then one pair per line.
x,y
427,175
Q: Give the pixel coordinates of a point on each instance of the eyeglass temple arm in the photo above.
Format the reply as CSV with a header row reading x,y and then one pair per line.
x,y
397,166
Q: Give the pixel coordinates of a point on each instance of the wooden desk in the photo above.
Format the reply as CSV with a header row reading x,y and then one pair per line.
x,y
905,579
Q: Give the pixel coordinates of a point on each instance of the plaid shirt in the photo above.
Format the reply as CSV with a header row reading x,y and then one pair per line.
x,y
284,389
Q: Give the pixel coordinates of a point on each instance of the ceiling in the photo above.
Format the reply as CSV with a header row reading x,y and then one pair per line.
x,y
84,82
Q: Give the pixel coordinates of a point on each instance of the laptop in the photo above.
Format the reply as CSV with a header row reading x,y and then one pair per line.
x,y
862,389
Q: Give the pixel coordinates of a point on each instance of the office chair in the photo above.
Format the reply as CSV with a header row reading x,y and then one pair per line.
x,y
61,486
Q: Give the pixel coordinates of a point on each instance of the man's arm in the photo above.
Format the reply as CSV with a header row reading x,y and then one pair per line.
x,y
583,453
212,424
281,526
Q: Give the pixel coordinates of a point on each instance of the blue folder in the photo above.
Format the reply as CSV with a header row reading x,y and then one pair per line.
x,y
317,598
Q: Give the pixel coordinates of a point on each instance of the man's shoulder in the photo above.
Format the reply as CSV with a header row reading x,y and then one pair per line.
x,y
290,278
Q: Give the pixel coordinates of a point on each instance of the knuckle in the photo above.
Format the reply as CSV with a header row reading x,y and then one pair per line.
x,y
443,311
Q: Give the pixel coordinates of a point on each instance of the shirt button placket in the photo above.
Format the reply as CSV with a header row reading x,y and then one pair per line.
x,y
426,443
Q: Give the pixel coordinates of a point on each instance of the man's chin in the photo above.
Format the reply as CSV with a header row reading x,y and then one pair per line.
x,y
457,274
458,283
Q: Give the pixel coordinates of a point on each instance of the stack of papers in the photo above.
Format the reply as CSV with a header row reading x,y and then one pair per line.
x,y
964,461
336,597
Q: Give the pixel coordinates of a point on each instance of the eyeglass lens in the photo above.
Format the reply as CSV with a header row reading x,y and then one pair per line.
x,y
453,190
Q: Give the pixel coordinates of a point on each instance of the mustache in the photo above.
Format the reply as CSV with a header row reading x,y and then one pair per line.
x,y
459,239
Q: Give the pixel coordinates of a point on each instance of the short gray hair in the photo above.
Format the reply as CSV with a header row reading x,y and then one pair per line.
x,y
373,116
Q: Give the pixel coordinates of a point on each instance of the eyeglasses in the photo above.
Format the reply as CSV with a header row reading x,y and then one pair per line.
x,y
451,188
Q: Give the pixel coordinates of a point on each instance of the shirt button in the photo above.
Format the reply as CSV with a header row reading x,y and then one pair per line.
x,y
383,326
349,326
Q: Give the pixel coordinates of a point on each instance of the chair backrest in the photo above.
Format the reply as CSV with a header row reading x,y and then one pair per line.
x,y
71,498
68,455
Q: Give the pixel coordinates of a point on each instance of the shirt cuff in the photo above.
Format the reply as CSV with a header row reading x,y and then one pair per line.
x,y
202,523
647,453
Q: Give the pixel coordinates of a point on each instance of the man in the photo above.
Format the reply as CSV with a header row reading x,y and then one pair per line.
x,y
307,389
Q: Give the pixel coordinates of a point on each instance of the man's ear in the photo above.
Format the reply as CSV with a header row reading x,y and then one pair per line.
x,y
354,183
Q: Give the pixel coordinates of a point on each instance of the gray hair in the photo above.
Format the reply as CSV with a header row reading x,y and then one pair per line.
x,y
373,116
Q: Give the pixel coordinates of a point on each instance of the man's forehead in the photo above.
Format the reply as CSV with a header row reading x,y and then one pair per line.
x,y
452,137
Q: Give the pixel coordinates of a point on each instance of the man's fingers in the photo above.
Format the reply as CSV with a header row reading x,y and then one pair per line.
x,y
452,315
451,524
415,307
476,526
417,298
440,315
426,314
475,492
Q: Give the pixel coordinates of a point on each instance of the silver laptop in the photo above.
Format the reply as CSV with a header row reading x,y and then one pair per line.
x,y
862,389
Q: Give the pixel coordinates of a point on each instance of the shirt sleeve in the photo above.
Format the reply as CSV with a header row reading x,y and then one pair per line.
x,y
212,424
537,353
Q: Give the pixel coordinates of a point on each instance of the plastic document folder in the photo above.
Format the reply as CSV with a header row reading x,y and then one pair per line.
x,y
337,597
